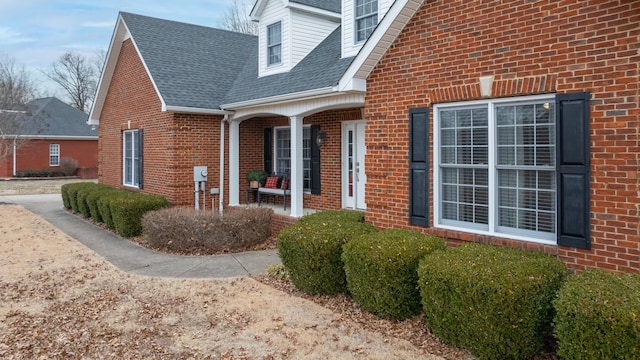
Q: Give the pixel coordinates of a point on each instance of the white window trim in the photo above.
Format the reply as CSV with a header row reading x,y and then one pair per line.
x,y
133,152
52,154
275,152
355,22
492,167
268,58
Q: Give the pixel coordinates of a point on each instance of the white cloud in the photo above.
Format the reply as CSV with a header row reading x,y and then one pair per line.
x,y
12,37
98,24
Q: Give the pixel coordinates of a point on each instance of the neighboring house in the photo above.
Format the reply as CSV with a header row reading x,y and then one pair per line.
x,y
501,122
47,131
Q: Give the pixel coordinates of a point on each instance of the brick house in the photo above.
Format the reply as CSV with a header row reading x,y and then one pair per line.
x,y
48,131
511,123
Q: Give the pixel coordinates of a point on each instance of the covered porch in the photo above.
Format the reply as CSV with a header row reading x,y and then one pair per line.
x,y
302,140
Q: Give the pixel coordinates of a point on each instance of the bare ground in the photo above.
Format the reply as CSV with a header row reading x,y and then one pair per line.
x,y
60,300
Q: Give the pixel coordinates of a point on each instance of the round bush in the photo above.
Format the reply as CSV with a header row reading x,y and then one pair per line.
x,y
598,316
83,193
310,250
494,301
382,270
72,193
94,196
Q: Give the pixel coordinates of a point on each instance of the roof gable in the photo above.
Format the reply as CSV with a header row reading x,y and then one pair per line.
x,y
52,117
378,43
192,66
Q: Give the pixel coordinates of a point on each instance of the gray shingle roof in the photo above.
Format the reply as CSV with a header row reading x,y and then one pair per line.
x,y
322,68
191,65
52,117
330,5
201,67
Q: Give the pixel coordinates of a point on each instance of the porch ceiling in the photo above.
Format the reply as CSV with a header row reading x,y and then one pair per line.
x,y
301,108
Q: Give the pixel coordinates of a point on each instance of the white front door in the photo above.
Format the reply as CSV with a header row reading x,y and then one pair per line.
x,y
353,174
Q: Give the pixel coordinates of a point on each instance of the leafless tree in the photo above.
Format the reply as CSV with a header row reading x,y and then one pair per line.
x,y
77,76
236,18
16,89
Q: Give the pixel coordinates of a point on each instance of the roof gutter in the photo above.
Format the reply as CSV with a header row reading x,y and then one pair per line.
x,y
193,110
56,137
302,95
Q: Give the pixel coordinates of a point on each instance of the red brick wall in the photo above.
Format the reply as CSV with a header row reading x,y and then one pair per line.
x,y
252,145
530,47
34,155
173,143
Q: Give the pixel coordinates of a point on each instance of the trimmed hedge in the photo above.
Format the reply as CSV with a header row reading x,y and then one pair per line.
x,y
598,316
72,194
81,198
64,191
382,270
94,196
104,207
310,250
127,211
494,301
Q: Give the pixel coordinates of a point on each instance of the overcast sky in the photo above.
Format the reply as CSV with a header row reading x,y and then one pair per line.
x,y
36,32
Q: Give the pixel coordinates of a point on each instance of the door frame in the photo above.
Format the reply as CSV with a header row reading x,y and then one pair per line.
x,y
360,151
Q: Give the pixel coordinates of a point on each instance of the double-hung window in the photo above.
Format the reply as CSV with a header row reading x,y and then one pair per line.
x,y
283,154
132,158
495,167
274,44
366,18
54,155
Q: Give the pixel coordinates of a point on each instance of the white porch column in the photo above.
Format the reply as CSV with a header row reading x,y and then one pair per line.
x,y
297,165
234,163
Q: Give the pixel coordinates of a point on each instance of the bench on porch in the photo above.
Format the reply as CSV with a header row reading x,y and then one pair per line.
x,y
275,186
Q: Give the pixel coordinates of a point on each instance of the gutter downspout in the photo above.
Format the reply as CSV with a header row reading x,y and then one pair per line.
x,y
15,146
221,197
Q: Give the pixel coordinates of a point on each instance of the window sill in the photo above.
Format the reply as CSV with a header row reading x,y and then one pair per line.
x,y
497,235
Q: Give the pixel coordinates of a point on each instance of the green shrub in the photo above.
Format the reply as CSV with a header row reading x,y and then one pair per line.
x,y
81,197
64,191
310,250
104,206
494,301
127,211
598,316
382,270
72,192
187,231
43,173
94,196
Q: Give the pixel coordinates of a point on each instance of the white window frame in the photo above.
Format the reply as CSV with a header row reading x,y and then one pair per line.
x,y
364,16
135,158
54,154
277,44
492,228
306,143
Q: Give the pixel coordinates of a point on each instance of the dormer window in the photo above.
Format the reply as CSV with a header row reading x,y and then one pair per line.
x,y
274,44
366,18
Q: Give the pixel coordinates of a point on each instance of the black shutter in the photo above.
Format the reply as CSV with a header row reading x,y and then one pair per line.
x,y
268,150
315,161
140,148
419,166
572,155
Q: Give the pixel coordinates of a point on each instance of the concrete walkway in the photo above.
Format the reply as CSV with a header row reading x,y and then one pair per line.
x,y
136,259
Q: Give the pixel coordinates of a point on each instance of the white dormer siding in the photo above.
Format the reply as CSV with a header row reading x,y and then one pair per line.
x,y
302,29
274,12
351,47
308,31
